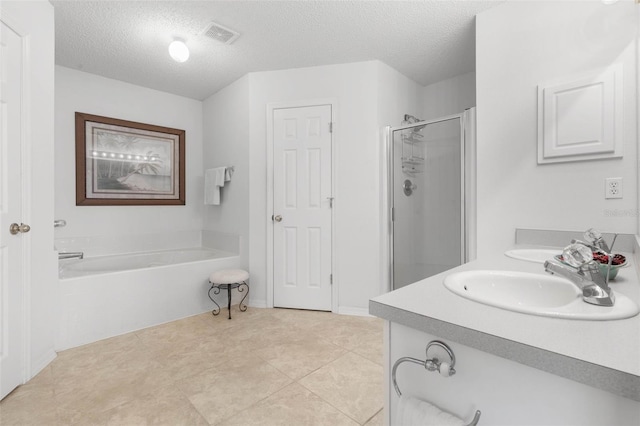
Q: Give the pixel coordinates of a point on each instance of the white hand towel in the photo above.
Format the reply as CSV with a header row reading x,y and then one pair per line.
x,y
415,412
213,181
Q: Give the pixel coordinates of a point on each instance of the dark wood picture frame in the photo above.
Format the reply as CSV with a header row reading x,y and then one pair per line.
x,y
120,162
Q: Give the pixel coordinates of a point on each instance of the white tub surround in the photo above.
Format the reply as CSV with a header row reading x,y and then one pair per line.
x,y
107,296
107,245
603,355
73,268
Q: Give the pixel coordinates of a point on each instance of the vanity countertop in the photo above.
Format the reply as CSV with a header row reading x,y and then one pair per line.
x,y
602,354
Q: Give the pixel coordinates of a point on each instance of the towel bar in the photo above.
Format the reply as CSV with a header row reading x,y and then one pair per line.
x,y
431,364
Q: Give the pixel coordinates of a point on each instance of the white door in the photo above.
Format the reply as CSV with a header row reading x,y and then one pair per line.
x,y
11,285
302,208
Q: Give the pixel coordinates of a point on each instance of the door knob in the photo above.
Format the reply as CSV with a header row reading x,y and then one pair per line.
x,y
277,218
14,228
330,202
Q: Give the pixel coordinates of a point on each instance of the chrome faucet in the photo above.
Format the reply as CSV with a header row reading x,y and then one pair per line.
x,y
586,275
71,255
594,286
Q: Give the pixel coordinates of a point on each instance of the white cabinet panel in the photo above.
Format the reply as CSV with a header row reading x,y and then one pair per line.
x,y
580,118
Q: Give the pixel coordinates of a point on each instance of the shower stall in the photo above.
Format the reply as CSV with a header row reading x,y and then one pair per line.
x,y
431,202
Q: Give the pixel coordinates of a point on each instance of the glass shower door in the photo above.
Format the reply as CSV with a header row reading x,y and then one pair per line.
x,y
427,195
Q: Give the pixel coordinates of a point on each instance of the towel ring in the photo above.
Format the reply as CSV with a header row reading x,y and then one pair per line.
x,y
431,364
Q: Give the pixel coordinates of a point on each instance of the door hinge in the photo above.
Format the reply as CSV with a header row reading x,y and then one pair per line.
x,y
331,279
393,214
331,127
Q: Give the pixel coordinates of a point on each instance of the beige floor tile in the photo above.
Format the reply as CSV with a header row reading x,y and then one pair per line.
x,y
43,378
78,360
177,332
205,368
164,407
29,405
348,336
222,320
196,356
371,349
351,383
377,420
117,345
224,391
82,362
302,318
345,331
261,332
111,385
293,405
299,357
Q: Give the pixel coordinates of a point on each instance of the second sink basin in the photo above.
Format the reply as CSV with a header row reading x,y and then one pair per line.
x,y
533,255
534,294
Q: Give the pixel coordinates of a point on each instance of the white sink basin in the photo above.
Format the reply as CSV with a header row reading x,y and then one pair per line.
x,y
534,294
533,255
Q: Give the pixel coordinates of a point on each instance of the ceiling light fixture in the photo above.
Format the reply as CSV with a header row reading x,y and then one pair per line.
x,y
179,51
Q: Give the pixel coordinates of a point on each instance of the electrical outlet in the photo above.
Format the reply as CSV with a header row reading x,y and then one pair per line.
x,y
613,187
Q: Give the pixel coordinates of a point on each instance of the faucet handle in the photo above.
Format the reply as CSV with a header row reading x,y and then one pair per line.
x,y
592,235
577,254
595,237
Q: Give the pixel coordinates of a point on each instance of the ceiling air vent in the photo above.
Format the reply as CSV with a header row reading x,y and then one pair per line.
x,y
220,33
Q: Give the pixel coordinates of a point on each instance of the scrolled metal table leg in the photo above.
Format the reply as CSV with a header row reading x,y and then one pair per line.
x,y
240,289
229,299
216,290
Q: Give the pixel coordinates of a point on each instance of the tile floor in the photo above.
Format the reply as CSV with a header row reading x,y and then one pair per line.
x,y
263,367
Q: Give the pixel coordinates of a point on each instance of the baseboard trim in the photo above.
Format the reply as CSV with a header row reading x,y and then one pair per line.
x,y
42,363
258,304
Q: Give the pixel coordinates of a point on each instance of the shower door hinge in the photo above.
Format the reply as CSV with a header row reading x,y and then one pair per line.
x,y
331,127
331,279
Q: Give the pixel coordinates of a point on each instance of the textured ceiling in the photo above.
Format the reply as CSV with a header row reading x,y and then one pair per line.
x,y
127,40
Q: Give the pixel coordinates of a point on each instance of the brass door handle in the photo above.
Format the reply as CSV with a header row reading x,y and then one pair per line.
x,y
14,228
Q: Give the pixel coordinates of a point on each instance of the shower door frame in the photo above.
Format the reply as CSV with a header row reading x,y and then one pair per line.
x,y
464,253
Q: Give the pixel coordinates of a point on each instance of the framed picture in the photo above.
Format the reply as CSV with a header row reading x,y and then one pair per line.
x,y
121,162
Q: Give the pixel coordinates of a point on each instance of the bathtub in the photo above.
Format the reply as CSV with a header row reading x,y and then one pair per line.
x,y
106,296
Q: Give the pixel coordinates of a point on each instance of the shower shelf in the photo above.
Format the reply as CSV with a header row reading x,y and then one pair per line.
x,y
412,160
411,140
410,170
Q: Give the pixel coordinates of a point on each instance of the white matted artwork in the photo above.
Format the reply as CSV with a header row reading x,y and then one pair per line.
x,y
580,117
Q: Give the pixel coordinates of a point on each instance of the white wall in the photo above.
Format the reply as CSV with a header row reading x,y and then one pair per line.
x,y
450,96
36,21
638,112
519,45
226,143
397,96
356,197
83,92
362,109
